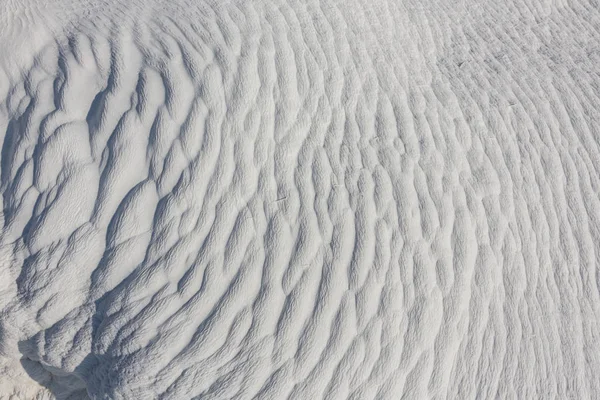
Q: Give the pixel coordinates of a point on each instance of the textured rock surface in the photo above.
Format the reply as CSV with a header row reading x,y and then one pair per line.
x,y
300,199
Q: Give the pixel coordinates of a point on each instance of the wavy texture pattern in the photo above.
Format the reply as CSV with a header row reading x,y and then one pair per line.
x,y
300,200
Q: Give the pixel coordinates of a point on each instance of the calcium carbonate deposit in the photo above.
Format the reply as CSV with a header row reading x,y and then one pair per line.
x,y
299,199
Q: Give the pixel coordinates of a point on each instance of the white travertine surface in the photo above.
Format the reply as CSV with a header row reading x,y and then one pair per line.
x,y
317,199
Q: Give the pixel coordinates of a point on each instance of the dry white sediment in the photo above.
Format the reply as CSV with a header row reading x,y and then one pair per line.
x,y
299,199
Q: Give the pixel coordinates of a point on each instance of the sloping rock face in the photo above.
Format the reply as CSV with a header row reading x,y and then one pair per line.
x,y
299,199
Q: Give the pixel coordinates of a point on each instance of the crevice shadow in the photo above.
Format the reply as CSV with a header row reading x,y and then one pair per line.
x,y
61,386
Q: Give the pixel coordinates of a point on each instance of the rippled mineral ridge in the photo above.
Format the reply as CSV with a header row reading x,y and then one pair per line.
x,y
299,199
